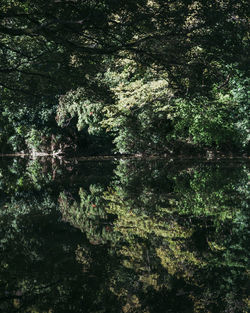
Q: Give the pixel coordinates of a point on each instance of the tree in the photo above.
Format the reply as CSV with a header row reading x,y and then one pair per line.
x,y
76,50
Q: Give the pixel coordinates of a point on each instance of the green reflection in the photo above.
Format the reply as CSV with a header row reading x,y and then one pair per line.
x,y
132,237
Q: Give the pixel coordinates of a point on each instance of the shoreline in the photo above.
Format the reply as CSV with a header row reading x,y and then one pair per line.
x,y
208,157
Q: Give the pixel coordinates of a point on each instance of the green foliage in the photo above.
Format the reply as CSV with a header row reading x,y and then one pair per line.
x,y
140,118
153,74
86,105
146,115
220,121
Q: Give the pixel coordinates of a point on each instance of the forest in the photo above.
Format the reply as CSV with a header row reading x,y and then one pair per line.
x,y
129,77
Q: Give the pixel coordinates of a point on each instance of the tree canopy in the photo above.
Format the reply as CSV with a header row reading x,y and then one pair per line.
x,y
153,72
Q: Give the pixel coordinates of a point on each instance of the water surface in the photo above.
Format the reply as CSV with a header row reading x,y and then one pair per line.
x,y
124,236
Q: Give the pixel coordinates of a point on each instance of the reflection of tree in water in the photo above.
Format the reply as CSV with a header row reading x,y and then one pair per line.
x,y
40,269
157,238
180,233
39,264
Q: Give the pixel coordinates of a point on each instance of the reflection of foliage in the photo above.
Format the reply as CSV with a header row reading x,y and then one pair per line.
x,y
83,257
20,175
33,253
196,231
45,265
159,237
90,215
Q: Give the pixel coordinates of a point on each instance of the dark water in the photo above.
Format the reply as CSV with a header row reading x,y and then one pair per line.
x,y
125,236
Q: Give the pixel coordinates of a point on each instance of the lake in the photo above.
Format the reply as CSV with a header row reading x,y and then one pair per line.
x,y
125,235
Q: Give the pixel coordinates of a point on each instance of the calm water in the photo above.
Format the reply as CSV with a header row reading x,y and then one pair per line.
x,y
127,236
